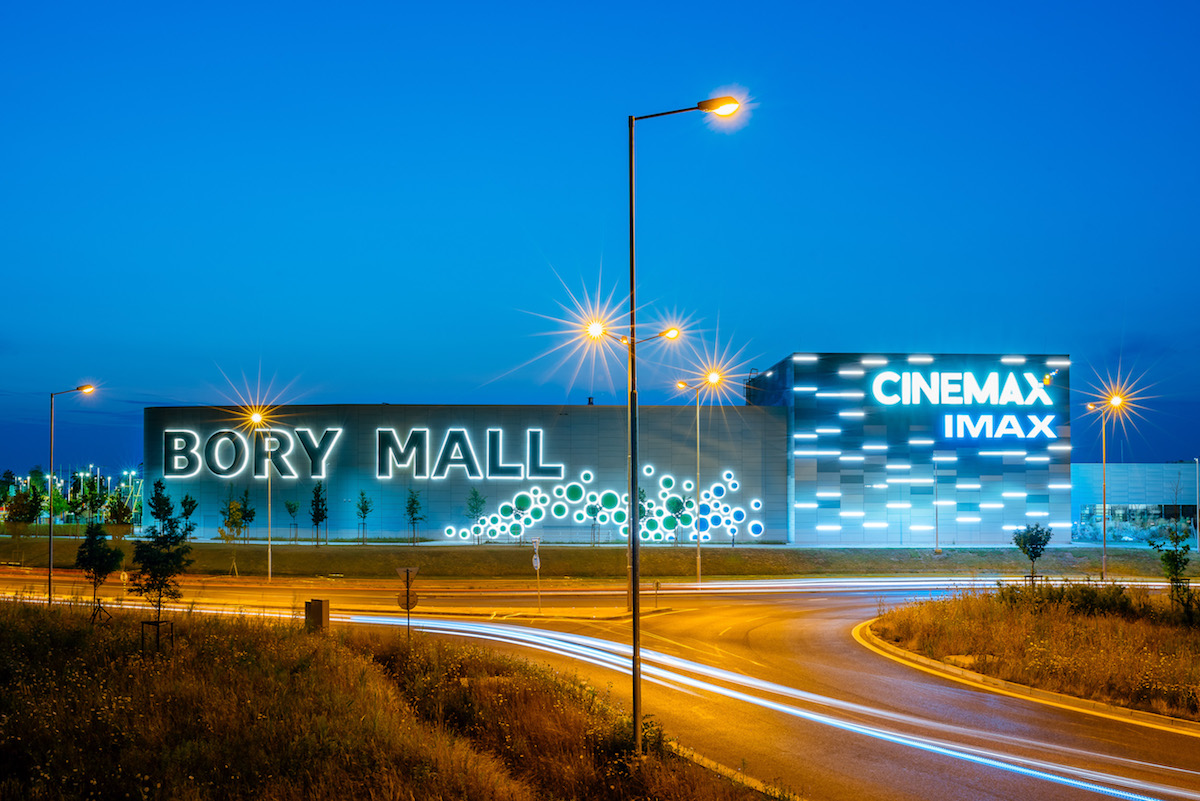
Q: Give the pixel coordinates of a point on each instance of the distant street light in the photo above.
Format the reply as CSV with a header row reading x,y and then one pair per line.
x,y
723,106
1109,407
86,389
711,381
257,418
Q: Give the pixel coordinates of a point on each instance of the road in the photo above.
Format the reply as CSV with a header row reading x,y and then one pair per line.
x,y
767,678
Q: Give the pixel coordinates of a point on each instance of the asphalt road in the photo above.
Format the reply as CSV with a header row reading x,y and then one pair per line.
x,y
767,678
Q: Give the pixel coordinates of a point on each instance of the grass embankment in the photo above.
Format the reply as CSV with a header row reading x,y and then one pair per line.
x,y
658,562
247,709
1109,643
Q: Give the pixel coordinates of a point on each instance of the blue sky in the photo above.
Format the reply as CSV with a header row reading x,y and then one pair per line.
x,y
375,202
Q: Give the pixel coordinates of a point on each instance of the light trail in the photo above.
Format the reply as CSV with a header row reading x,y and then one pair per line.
x,y
670,671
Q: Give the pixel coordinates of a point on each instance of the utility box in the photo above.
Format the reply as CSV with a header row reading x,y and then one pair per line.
x,y
316,614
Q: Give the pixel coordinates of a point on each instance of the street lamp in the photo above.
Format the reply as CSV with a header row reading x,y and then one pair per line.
x,y
257,418
723,106
1109,407
711,381
86,389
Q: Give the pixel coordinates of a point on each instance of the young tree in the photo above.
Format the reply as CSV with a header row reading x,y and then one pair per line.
x,y
475,509
163,555
412,511
118,512
97,559
1173,548
233,525
319,511
293,508
593,510
363,508
7,482
248,513
1032,541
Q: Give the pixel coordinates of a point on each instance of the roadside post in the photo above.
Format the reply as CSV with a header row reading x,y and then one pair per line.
x,y
537,568
408,599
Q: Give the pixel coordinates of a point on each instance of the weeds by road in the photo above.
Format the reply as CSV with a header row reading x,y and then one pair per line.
x,y
1113,644
242,708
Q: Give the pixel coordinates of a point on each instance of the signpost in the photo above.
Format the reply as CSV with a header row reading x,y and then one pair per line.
x,y
537,567
408,599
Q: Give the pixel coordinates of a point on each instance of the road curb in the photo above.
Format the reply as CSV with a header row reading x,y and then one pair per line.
x,y
736,776
863,634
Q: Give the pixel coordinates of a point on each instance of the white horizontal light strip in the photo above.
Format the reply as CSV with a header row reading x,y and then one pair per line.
x,y
852,372
1037,514
827,430
852,514
1058,486
804,389
804,435
852,458
920,359
1058,362
1012,359
920,528
945,503
874,361
1058,446
991,506
829,527
1013,494
945,458
920,441
964,486
1037,458
805,505
967,519
875,446
817,452
1002,453
805,357
875,524
898,466
829,494
852,413
908,480
899,505
850,393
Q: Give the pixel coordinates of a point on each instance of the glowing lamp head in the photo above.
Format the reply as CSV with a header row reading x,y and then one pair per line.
x,y
86,389
671,333
594,330
1115,401
256,418
1091,407
681,385
721,106
713,378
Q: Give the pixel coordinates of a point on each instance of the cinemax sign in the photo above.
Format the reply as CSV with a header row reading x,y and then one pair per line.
x,y
305,453
993,389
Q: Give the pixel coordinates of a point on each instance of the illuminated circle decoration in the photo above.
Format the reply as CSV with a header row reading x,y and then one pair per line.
x,y
537,513
688,485
580,517
718,490
727,475
558,491
449,531
666,482
574,492
495,520
756,528
506,509
702,524
670,523
705,510
756,504
714,520
543,499
559,510
586,476
648,469
609,500
602,518
523,501
515,530
734,486
738,515
464,534
733,531
619,516
476,529
593,497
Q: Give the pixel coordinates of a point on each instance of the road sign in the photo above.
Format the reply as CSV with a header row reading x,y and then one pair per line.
x,y
407,600
537,562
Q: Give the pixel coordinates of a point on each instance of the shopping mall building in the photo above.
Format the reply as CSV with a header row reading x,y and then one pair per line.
x,y
831,450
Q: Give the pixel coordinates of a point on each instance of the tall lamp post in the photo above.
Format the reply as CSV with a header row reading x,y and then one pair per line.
x,y
257,419
712,379
86,389
1109,407
723,106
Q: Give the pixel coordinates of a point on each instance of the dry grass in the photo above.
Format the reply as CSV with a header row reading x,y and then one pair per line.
x,y
1120,647
249,709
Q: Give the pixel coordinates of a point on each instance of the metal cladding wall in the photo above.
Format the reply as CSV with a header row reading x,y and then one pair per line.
x,y
539,467
924,449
